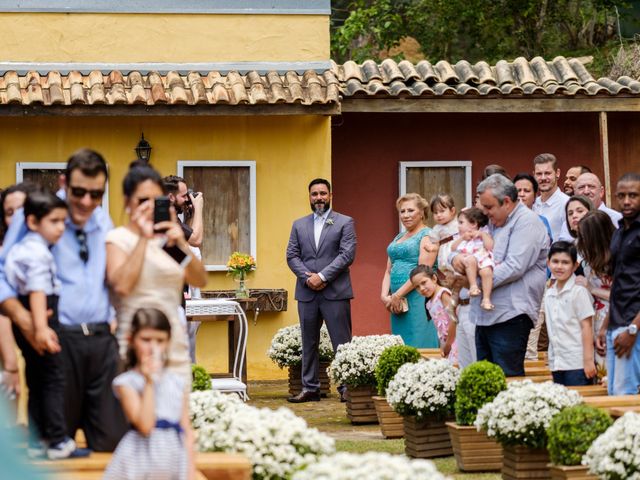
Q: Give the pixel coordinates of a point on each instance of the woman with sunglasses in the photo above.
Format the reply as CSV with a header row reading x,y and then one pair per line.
x,y
147,264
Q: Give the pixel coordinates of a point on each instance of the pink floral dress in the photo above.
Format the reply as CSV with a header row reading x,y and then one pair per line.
x,y
441,319
476,248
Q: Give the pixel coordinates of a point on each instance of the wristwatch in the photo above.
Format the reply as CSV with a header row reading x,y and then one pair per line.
x,y
632,329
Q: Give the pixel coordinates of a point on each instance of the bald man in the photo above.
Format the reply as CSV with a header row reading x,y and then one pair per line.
x,y
590,186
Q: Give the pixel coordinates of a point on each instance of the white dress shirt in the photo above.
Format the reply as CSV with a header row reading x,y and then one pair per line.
x,y
553,210
318,224
30,266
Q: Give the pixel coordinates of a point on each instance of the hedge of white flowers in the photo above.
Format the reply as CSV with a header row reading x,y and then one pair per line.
x,y
355,362
615,455
277,442
369,466
426,388
286,346
521,414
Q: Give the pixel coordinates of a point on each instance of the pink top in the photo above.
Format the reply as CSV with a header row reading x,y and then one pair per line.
x,y
440,317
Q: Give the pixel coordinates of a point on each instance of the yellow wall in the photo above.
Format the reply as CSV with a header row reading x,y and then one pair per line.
x,y
289,151
63,37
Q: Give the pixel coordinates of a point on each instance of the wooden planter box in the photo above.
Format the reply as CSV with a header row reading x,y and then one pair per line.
x,y
295,379
474,451
524,462
426,439
579,472
360,407
390,422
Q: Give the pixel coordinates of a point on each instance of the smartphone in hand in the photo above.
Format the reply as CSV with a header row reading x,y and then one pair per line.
x,y
161,210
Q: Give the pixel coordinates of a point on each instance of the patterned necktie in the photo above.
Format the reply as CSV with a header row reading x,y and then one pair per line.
x,y
84,248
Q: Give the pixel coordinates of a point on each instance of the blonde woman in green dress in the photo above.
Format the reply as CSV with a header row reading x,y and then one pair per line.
x,y
407,250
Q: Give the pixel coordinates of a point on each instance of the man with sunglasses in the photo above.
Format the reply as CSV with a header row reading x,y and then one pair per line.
x,y
88,348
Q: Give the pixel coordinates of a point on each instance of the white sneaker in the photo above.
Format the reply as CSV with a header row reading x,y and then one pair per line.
x,y
36,450
62,449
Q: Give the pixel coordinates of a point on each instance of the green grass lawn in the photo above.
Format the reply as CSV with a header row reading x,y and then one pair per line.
x,y
329,416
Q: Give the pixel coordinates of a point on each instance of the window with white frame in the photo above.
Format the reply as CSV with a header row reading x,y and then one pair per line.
x,y
431,178
47,175
229,189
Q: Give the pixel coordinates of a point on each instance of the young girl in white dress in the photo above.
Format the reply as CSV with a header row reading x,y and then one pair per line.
x,y
444,232
472,254
154,401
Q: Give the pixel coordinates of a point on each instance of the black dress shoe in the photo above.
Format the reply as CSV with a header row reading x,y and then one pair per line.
x,y
305,396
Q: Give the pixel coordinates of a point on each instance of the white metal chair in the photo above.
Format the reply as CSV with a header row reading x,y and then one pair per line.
x,y
225,307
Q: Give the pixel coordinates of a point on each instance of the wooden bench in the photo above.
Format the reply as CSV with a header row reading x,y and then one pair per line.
x,y
591,390
430,353
607,402
620,411
210,466
534,363
536,371
533,378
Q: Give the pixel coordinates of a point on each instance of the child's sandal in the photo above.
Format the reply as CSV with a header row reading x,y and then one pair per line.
x,y
474,291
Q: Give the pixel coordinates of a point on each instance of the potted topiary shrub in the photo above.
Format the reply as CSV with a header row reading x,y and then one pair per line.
x,y
286,352
570,434
391,360
479,383
200,379
354,366
518,418
423,393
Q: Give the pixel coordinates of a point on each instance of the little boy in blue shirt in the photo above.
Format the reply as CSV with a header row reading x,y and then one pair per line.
x,y
31,270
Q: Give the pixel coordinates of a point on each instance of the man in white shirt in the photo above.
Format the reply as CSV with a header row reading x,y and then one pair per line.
x,y
552,200
590,186
571,176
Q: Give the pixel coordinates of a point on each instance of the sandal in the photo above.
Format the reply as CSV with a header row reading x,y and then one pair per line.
x,y
487,305
474,291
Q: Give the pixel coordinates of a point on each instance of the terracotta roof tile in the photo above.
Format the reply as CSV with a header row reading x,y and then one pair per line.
x,y
134,88
560,77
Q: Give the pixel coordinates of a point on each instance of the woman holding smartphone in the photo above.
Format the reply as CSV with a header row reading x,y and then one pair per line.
x,y
140,270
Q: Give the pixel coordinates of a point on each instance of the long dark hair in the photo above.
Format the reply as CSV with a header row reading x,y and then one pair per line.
x,y
576,198
594,238
145,318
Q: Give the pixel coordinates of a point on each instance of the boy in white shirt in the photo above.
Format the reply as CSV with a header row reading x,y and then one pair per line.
x,y
569,315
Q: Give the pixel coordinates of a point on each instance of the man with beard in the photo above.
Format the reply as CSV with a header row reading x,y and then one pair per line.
x,y
321,248
551,202
188,204
570,179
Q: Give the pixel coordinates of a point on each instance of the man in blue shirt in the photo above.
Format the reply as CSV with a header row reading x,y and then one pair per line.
x,y
89,350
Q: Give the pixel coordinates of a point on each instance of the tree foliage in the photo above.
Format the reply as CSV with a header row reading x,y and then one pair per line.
x,y
471,29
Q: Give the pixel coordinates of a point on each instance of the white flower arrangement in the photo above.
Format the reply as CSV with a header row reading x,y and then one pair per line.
x,y
521,414
277,442
355,362
615,455
286,346
423,389
370,465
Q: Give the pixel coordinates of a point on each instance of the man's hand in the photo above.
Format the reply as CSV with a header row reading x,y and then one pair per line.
x,y
589,369
197,201
623,344
314,282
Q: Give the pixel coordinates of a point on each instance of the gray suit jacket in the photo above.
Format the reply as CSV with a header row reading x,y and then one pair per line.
x,y
336,251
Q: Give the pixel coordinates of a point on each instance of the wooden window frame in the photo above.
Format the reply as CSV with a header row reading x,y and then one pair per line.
x,y
252,198
22,166
466,164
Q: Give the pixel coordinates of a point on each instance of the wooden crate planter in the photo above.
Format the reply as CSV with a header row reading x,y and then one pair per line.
x,y
579,472
391,423
360,407
295,379
474,451
428,438
524,462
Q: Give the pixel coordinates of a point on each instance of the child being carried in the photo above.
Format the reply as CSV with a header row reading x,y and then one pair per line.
x,y
471,254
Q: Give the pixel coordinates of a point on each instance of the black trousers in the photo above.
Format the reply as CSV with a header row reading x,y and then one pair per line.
x,y
45,380
90,364
505,344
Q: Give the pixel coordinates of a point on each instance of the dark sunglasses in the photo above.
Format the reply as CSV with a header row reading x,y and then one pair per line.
x,y
80,192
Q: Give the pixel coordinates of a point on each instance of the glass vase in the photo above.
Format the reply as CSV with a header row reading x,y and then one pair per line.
x,y
241,290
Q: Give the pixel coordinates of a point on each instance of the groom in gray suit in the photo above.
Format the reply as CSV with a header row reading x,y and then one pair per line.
x,y
321,248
